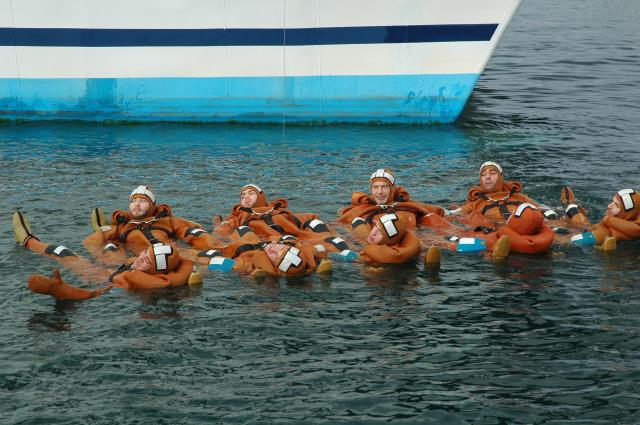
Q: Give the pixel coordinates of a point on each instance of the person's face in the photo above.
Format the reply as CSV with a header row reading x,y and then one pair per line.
x,y
614,207
274,250
375,236
489,178
380,192
139,207
248,198
143,262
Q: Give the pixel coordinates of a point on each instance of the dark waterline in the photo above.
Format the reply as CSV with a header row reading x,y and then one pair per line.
x,y
551,339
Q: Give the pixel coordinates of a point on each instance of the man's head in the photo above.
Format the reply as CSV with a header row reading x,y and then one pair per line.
x,y
159,258
251,196
142,202
286,258
491,179
625,204
389,229
382,183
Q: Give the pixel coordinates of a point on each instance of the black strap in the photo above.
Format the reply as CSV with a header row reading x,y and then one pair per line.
x,y
484,229
269,220
248,247
66,252
146,231
123,268
320,228
341,245
295,220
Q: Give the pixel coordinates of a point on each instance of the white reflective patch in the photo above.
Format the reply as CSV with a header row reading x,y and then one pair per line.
x,y
320,248
491,163
211,252
355,220
197,231
217,260
242,227
161,251
105,228
337,240
387,221
314,223
290,258
345,252
59,249
467,241
143,190
381,173
110,245
571,206
550,213
577,237
523,207
453,238
625,195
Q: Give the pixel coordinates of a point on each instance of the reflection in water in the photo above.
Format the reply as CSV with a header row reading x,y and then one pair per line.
x,y
57,320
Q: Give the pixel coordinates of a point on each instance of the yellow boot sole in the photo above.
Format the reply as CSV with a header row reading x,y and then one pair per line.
x,y
98,221
195,279
21,228
433,258
325,267
609,244
501,248
258,273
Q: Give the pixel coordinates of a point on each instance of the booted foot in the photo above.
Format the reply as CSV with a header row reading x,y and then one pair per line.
x,y
433,257
501,248
21,228
195,278
609,244
98,221
59,289
324,267
567,196
258,273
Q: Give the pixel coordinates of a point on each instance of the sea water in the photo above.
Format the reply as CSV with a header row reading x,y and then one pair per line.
x,y
551,338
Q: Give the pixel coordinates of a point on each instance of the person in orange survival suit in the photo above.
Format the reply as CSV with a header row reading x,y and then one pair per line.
x,y
385,198
526,230
271,221
145,224
620,223
159,266
495,200
285,257
389,242
488,208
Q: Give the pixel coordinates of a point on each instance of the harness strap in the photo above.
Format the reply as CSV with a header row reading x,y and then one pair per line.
x,y
123,268
499,203
247,247
316,225
339,243
295,219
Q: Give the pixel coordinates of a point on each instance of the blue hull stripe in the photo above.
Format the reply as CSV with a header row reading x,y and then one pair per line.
x,y
83,37
388,98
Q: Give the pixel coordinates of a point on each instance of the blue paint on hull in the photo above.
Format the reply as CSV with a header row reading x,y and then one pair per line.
x,y
103,37
388,98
